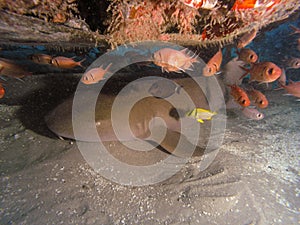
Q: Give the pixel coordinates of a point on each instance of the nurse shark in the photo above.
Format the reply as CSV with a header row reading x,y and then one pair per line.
x,y
143,114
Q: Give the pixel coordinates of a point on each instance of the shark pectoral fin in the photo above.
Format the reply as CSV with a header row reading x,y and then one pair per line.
x,y
177,144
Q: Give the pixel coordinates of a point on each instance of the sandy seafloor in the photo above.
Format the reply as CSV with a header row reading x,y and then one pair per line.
x,y
44,180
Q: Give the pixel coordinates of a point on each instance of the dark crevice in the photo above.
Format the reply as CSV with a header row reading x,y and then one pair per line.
x,y
94,13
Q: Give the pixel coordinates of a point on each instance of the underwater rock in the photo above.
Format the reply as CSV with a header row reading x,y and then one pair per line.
x,y
120,21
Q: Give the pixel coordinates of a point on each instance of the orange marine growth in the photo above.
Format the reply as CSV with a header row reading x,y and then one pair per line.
x,y
241,4
258,98
263,72
213,65
239,95
252,4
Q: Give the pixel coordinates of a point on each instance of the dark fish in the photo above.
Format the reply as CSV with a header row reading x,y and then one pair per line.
x,y
11,69
247,55
164,88
41,58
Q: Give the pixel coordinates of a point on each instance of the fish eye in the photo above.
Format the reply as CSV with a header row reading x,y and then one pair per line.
x,y
209,69
243,101
270,71
259,115
251,56
261,102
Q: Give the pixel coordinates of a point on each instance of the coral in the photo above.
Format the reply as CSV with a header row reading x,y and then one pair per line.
x,y
57,11
175,21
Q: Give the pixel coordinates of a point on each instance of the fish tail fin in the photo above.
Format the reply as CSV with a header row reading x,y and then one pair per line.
x,y
80,62
2,78
237,51
279,88
19,79
108,66
29,74
291,82
246,72
200,120
295,29
185,50
177,89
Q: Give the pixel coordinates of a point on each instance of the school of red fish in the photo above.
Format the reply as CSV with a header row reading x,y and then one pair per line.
x,y
172,60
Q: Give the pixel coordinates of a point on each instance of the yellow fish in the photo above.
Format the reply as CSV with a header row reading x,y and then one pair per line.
x,y
200,114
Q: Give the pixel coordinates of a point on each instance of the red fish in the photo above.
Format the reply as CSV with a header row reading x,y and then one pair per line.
x,y
94,75
2,91
11,69
258,98
171,60
213,65
263,72
247,55
239,95
246,39
65,62
292,88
